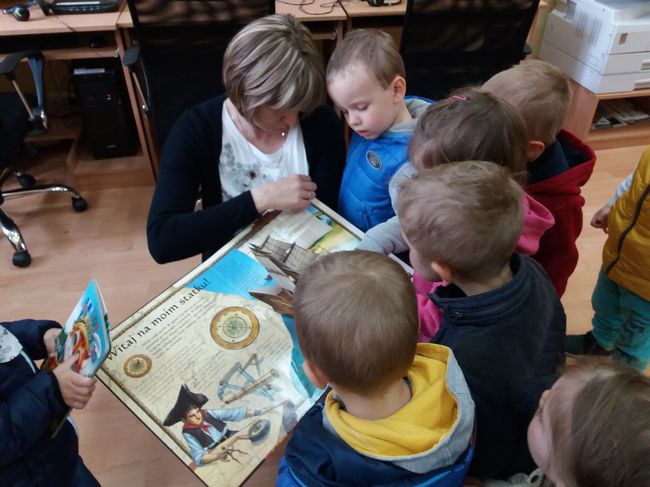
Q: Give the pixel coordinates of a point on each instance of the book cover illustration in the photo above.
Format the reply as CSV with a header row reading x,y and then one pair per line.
x,y
86,331
213,369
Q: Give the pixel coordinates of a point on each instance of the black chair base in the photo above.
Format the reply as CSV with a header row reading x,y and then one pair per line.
x,y
21,257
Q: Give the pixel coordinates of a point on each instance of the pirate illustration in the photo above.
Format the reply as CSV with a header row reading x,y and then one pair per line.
x,y
205,429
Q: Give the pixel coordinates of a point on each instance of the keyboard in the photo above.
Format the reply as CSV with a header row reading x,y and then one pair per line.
x,y
83,6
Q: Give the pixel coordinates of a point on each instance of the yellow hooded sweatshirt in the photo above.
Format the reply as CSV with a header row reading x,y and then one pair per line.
x,y
433,428
626,255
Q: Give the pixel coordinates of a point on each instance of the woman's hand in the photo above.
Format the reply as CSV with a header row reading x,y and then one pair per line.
x,y
599,220
75,388
294,192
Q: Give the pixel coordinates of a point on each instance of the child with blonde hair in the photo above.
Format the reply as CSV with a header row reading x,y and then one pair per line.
x,y
559,163
399,412
592,428
462,128
365,79
500,313
457,129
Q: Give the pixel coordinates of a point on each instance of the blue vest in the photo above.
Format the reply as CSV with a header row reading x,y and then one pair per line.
x,y
364,200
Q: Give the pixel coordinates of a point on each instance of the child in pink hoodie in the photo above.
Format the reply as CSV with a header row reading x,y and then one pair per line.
x,y
474,125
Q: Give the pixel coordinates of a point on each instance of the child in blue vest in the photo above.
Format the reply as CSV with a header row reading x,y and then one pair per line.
x,y
400,412
365,79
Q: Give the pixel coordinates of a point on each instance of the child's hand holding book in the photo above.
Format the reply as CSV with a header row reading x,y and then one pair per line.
x,y
75,388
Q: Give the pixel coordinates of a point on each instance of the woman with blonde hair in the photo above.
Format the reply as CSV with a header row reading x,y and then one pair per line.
x,y
267,143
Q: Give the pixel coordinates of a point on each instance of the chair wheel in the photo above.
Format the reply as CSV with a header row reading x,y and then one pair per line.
x,y
26,180
79,204
21,259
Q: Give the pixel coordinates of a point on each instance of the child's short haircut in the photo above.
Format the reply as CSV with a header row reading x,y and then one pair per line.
x,y
600,426
470,125
467,215
273,62
539,91
371,49
356,319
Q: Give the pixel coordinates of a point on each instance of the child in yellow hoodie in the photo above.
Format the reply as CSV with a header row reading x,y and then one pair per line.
x,y
399,411
621,299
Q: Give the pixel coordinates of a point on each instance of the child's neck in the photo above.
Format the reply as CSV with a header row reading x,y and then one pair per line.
x,y
391,400
403,115
473,287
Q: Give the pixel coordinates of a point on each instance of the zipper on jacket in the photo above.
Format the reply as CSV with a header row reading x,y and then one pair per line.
x,y
495,308
629,228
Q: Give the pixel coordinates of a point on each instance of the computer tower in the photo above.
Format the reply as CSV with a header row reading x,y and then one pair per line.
x,y
107,117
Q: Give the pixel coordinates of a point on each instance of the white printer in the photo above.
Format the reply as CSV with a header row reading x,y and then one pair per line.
x,y
604,45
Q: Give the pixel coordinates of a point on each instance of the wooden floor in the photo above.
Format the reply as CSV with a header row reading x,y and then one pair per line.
x,y
108,243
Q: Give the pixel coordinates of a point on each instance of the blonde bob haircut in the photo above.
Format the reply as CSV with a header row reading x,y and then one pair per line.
x,y
273,62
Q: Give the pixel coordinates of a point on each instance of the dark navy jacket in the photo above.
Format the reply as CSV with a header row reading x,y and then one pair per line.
x,y
29,401
317,458
509,343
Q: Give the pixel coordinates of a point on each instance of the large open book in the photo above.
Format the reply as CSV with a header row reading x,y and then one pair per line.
x,y
212,365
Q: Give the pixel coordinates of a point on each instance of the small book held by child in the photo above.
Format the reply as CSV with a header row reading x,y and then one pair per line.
x,y
86,332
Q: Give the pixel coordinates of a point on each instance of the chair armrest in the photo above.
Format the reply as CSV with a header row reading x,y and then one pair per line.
x,y
9,63
131,57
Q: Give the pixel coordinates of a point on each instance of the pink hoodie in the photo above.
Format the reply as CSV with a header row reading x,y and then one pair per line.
x,y
537,219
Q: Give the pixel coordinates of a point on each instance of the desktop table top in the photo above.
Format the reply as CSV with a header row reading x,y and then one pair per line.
x,y
312,11
304,10
361,8
39,23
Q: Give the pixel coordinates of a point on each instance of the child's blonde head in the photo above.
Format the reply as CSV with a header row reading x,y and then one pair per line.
x,y
466,215
273,62
599,422
356,320
539,91
470,125
372,50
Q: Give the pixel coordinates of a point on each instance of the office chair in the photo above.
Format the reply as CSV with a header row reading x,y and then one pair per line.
x,y
447,44
19,114
179,52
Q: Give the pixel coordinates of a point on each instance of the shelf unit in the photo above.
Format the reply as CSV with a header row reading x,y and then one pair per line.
x,y
582,112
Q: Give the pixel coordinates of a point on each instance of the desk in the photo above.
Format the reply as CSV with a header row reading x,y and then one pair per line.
x,y
325,23
84,171
389,18
361,8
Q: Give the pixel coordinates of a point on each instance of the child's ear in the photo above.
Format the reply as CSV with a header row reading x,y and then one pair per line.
x,y
314,375
398,86
443,271
534,149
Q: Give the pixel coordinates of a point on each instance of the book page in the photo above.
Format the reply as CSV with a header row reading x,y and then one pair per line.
x,y
214,372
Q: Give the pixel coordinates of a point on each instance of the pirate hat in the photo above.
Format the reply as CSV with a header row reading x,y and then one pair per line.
x,y
186,400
